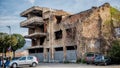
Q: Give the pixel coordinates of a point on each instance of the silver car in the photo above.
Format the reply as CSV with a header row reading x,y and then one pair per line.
x,y
25,60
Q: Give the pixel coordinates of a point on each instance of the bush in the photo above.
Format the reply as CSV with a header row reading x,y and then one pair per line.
x,y
66,62
81,61
78,61
114,52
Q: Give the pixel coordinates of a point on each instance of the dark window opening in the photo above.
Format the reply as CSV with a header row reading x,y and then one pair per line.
x,y
37,13
58,34
59,49
42,40
31,50
39,50
59,18
31,30
34,42
41,28
71,32
71,47
48,49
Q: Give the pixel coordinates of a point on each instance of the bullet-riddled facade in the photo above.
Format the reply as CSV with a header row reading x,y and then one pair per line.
x,y
58,36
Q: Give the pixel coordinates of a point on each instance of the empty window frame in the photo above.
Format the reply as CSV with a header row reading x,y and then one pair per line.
x,y
58,34
31,50
59,18
71,47
71,32
37,13
59,49
42,40
34,42
41,27
39,50
36,50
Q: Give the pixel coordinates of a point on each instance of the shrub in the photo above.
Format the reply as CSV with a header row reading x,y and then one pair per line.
x,y
81,61
114,52
66,62
78,61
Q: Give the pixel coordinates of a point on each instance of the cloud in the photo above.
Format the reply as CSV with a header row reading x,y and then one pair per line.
x,y
9,20
100,0
32,1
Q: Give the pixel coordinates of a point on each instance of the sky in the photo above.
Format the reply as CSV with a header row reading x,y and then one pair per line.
x,y
10,10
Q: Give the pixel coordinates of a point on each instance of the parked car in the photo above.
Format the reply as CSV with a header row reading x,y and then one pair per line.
x,y
101,59
90,56
25,60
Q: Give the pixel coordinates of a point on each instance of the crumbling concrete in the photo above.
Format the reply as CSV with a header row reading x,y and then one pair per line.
x,y
83,31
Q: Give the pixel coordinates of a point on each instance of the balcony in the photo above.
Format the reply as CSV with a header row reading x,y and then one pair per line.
x,y
32,21
31,10
36,35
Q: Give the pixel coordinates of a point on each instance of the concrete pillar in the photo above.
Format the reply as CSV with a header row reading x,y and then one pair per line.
x,y
45,54
38,41
52,54
79,55
64,44
65,55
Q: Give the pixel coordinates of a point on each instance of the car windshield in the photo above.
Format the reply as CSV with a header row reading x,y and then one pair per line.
x,y
22,58
99,57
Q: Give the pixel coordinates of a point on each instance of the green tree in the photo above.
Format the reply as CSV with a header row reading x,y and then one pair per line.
x,y
115,14
114,52
2,41
6,41
20,43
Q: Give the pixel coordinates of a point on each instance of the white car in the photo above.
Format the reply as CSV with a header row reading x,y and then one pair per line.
x,y
25,60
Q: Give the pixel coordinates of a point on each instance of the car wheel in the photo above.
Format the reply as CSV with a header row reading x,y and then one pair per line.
x,y
88,63
34,64
14,65
95,63
105,63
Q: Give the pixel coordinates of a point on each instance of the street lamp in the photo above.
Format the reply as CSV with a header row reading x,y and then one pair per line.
x,y
9,29
10,35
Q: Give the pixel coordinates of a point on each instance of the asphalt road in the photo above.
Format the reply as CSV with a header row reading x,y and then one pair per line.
x,y
70,65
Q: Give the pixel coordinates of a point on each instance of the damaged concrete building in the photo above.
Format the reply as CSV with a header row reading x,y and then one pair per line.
x,y
58,36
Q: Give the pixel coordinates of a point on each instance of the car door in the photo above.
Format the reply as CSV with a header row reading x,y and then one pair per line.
x,y
22,61
29,60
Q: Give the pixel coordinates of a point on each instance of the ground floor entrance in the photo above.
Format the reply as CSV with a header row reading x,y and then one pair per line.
x,y
59,54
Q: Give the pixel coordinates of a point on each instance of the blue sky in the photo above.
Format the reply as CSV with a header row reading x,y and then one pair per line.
x,y
10,10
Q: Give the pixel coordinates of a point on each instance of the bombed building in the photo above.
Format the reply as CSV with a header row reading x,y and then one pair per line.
x,y
58,36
